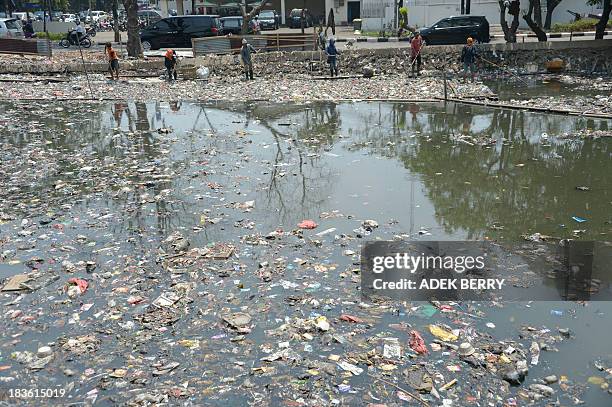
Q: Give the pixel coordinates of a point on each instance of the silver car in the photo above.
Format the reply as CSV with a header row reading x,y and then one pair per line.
x,y
10,28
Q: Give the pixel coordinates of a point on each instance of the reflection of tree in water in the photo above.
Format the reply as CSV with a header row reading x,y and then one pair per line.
x,y
320,123
147,148
475,187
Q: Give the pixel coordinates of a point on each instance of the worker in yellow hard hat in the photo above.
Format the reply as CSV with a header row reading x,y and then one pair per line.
x,y
468,57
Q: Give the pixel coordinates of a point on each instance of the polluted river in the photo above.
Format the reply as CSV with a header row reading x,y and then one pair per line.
x,y
209,253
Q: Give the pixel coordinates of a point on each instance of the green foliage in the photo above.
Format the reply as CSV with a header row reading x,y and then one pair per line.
x,y
403,17
51,36
585,24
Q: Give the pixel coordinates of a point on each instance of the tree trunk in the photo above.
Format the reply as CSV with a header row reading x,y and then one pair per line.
x,y
550,7
116,20
600,27
331,22
302,17
532,24
134,47
246,17
537,12
180,8
509,32
193,10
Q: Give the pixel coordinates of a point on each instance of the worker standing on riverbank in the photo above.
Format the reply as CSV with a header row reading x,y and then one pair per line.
x,y
332,57
170,61
247,59
468,57
416,45
113,61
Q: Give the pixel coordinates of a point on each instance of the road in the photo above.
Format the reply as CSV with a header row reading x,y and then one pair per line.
x,y
341,33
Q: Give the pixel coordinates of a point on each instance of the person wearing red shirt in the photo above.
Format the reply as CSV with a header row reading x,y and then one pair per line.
x,y
416,45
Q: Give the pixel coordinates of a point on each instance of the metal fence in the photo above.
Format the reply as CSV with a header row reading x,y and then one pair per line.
x,y
25,47
265,42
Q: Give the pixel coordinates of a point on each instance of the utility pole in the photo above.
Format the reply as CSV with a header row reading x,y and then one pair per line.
x,y
395,7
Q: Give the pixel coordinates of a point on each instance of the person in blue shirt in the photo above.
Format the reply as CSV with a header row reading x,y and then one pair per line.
x,y
468,57
332,56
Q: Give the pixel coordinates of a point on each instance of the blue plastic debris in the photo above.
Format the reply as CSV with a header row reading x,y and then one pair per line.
x,y
579,219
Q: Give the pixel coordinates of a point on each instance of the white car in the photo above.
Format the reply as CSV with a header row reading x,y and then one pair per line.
x,y
10,28
69,18
21,15
98,16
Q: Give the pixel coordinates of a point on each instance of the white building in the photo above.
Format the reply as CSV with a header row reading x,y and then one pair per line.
x,y
378,13
345,11
201,6
426,12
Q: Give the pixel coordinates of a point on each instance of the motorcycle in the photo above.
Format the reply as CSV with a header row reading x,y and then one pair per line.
x,y
71,40
91,31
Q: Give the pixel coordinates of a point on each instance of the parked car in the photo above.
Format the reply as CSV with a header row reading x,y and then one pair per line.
x,y
69,18
269,20
96,16
231,25
295,18
456,30
149,16
20,15
10,28
177,32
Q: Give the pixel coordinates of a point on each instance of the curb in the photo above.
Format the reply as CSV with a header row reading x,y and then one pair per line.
x,y
396,39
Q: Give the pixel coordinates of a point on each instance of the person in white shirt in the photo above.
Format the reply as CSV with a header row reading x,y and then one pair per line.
x,y
79,32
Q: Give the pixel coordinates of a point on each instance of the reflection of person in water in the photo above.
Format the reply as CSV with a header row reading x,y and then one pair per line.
x,y
578,261
175,106
414,109
119,108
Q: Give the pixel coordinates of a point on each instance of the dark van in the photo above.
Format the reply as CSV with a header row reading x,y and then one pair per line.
x,y
456,30
177,32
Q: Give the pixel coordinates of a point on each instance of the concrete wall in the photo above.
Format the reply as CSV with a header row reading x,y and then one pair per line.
x,y
54,27
375,24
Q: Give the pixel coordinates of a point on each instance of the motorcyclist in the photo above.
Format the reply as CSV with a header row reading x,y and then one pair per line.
x,y
78,33
28,29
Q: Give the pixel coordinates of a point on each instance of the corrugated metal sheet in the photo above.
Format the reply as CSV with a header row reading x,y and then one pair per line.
x,y
44,47
270,42
25,46
202,46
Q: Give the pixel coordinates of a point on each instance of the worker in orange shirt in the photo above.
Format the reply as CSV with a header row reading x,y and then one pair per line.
x,y
170,61
113,61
